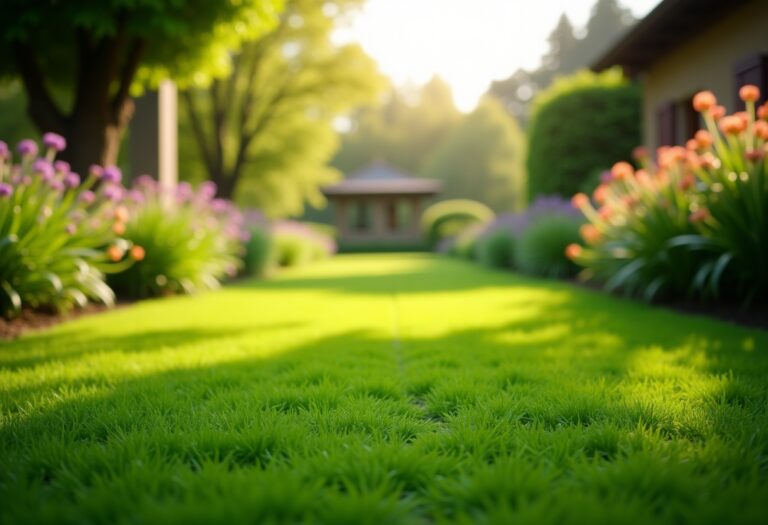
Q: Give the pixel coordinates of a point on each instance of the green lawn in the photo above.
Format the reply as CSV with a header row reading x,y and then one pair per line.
x,y
386,389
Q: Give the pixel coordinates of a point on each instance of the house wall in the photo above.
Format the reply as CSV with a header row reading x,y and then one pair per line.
x,y
704,62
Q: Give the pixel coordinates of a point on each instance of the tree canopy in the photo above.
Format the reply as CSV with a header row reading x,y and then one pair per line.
x,y
567,53
402,130
483,159
265,133
81,60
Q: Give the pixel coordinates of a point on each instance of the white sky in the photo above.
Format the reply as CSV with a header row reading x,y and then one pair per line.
x,y
468,43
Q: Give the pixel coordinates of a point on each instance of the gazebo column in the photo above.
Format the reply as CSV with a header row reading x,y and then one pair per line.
x,y
342,220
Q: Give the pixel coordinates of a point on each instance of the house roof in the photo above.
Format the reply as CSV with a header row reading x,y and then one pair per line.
x,y
381,179
671,23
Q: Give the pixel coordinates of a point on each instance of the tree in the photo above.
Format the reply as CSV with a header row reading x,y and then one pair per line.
x,y
403,130
483,159
269,125
81,60
566,54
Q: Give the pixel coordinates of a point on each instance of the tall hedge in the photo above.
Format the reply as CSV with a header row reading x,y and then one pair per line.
x,y
581,125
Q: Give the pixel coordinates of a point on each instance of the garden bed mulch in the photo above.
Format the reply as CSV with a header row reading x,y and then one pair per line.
x,y
36,320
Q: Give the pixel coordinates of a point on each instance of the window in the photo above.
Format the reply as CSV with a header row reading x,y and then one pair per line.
x,y
751,70
666,121
360,216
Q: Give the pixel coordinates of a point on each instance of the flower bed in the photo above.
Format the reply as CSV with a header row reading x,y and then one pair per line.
x,y
693,223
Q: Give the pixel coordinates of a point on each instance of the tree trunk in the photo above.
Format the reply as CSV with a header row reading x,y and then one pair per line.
x,y
95,125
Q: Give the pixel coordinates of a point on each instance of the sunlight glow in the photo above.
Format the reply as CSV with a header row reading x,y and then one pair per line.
x,y
467,42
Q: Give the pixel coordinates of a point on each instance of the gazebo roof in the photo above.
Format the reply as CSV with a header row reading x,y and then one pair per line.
x,y
381,179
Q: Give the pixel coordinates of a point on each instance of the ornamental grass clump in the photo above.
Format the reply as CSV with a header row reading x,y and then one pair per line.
x,y
296,243
58,233
695,222
191,240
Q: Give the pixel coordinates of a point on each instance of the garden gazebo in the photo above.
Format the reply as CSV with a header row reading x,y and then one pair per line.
x,y
380,204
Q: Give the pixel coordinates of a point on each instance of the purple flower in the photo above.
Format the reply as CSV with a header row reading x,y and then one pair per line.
x,y
220,205
56,185
27,148
112,174
43,168
54,141
145,180
87,197
96,171
4,153
62,166
136,196
606,176
183,192
72,180
208,190
6,190
70,229
113,193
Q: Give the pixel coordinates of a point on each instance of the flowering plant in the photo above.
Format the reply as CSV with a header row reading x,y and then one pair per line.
x,y
693,223
190,239
58,234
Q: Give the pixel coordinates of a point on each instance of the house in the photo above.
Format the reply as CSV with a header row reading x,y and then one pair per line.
x,y
380,205
685,46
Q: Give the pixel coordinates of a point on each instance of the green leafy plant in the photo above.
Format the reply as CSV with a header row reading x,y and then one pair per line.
x,y
58,236
448,218
693,224
496,249
191,240
540,250
259,252
582,124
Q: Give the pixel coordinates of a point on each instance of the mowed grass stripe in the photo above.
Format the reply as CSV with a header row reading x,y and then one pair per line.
x,y
386,389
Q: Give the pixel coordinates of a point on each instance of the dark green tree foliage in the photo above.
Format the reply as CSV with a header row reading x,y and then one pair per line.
x,y
567,53
80,60
265,133
483,159
402,131
580,126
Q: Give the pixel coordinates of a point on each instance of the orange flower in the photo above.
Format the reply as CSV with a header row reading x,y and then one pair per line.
x,y
731,125
743,116
590,234
630,201
579,200
749,93
115,253
118,228
699,215
762,112
605,212
687,182
640,153
692,145
761,129
703,138
622,170
670,155
718,112
137,253
704,101
573,251
601,194
643,178
121,214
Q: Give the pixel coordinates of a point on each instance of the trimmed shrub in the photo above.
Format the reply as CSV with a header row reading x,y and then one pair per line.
x,y
580,126
191,240
448,218
695,222
58,236
540,250
496,249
